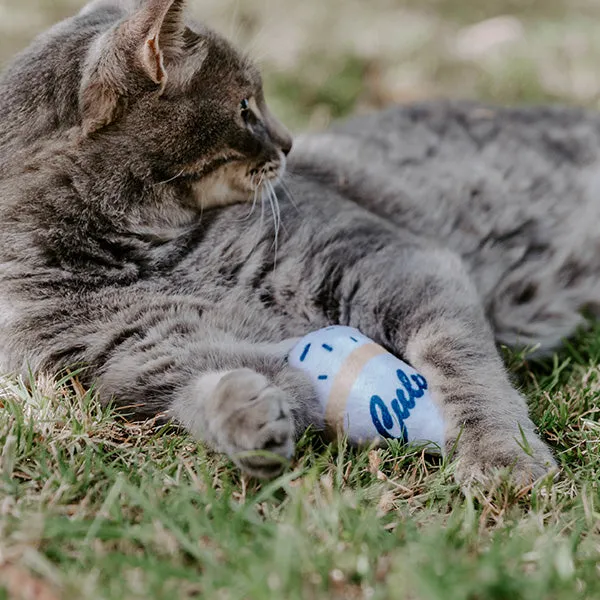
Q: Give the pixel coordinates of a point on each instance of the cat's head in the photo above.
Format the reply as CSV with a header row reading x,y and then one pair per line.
x,y
185,104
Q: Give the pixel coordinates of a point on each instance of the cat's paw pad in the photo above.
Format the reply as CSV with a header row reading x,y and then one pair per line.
x,y
252,423
480,458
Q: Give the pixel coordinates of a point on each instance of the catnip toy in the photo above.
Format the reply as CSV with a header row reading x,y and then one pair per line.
x,y
365,391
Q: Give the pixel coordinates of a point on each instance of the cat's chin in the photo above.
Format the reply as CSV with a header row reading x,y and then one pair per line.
x,y
219,194
232,185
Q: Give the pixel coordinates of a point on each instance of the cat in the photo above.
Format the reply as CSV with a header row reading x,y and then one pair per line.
x,y
438,230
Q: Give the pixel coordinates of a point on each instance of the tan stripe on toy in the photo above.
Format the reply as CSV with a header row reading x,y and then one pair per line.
x,y
343,383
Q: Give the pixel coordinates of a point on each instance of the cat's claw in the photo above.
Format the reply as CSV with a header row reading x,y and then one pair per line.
x,y
252,423
480,460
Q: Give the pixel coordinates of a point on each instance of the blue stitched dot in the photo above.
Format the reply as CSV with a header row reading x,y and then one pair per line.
x,y
354,339
322,377
304,353
328,348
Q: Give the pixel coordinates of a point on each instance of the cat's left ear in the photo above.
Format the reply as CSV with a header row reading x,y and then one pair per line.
x,y
143,45
163,22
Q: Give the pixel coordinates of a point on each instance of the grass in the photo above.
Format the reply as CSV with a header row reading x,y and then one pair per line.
x,y
92,507
322,60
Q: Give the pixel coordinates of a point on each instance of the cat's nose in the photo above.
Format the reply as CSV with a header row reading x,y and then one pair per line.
x,y
279,134
286,145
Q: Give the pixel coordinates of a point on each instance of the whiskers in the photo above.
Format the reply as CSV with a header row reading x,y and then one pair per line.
x,y
276,211
288,194
268,197
180,174
264,190
256,183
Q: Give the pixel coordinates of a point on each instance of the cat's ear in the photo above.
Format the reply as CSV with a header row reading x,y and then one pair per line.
x,y
161,22
139,49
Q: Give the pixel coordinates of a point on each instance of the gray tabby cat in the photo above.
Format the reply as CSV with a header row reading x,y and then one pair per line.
x,y
130,139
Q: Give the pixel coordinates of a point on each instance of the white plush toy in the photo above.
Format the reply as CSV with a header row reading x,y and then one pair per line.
x,y
367,392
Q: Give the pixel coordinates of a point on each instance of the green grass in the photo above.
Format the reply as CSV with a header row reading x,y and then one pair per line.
x,y
94,507
322,60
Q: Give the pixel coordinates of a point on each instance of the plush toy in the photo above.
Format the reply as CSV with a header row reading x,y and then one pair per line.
x,y
367,392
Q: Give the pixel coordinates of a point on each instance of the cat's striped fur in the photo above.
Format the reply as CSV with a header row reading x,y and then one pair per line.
x,y
436,230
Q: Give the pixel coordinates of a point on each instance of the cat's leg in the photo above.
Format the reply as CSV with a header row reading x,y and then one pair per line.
x,y
168,359
244,414
420,303
239,398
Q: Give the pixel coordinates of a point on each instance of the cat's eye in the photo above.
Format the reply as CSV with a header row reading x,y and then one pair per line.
x,y
245,107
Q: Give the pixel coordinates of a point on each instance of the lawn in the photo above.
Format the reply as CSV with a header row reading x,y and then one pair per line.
x,y
92,507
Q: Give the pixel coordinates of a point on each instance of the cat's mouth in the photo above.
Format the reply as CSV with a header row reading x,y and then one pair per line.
x,y
272,170
229,181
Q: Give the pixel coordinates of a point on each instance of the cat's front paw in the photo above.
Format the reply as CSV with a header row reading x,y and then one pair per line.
x,y
251,421
480,455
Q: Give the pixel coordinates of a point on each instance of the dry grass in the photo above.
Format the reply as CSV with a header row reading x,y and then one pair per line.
x,y
94,507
